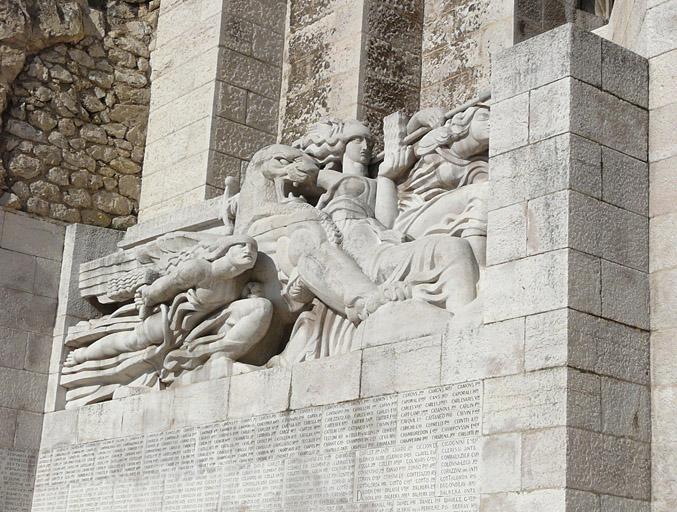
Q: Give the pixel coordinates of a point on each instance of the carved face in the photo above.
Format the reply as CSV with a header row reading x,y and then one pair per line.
x,y
479,127
292,171
358,149
242,255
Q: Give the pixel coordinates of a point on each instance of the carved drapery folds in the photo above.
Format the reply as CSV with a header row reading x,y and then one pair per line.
x,y
323,235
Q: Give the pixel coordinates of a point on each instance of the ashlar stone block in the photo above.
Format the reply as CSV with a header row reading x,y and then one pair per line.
x,y
625,181
625,74
617,303
562,52
259,392
500,463
324,381
568,337
544,458
559,163
541,283
578,107
513,113
200,403
547,398
626,409
577,221
507,233
402,366
488,350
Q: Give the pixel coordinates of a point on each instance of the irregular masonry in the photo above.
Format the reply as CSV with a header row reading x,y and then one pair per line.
x,y
198,306
75,127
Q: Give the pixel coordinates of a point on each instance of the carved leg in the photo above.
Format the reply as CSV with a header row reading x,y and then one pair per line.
x,y
147,334
333,276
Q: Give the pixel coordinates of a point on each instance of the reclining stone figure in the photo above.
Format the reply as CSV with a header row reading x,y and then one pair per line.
x,y
193,315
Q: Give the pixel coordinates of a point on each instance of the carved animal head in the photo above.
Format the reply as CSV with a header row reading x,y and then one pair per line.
x,y
277,175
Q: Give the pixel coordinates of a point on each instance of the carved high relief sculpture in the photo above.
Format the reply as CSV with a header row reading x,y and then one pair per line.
x,y
322,236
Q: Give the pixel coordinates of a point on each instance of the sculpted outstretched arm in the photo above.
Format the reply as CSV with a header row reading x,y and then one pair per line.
x,y
399,158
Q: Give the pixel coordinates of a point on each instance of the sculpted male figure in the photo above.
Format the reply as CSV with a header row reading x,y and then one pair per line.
x,y
176,303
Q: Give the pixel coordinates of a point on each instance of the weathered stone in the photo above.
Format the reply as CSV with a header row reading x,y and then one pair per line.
x,y
101,79
45,190
37,206
124,222
42,120
133,78
129,115
25,131
77,197
59,176
48,154
92,103
115,130
111,202
63,213
93,133
60,74
79,160
125,166
25,166
81,57
95,218
130,186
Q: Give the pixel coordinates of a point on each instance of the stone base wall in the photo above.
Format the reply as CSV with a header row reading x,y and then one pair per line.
x,y
30,263
350,432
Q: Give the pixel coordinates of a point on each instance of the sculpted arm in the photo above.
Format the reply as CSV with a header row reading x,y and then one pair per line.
x,y
399,159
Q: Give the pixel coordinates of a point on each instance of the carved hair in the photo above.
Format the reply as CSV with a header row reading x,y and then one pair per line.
x,y
460,123
326,140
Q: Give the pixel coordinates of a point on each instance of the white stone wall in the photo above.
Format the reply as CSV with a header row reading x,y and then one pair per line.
x,y
568,265
30,263
215,90
648,28
376,429
661,50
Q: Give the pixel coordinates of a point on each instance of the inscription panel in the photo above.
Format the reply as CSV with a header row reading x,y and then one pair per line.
x,y
417,450
17,474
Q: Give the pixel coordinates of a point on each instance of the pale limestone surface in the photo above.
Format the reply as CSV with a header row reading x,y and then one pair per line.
x,y
553,386
30,259
379,247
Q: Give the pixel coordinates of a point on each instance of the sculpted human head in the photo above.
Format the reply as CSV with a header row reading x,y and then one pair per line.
x,y
470,130
339,145
243,254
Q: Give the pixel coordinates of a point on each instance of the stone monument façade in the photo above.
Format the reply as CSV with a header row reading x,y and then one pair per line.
x,y
443,306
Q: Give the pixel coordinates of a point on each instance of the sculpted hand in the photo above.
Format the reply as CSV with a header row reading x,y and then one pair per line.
x,y
396,162
140,303
429,117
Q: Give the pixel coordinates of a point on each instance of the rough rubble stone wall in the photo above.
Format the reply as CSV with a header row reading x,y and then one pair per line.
x,y
75,124
351,59
459,37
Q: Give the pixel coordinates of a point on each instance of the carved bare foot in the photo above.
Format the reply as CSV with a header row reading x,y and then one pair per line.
x,y
71,358
362,307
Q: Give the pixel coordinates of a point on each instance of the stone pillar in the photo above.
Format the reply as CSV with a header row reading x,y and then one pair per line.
x,y
533,17
567,262
214,97
358,59
30,259
661,50
82,243
458,41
